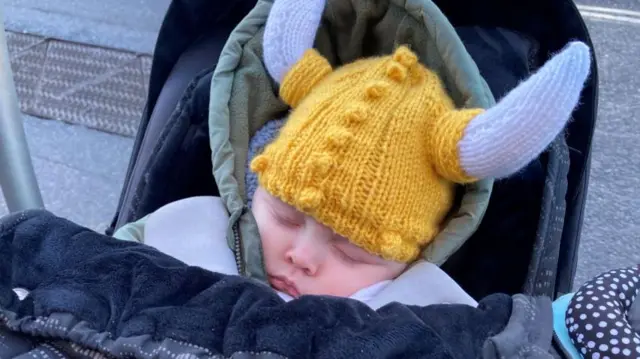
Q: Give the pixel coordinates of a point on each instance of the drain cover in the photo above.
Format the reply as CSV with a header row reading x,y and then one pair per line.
x,y
100,88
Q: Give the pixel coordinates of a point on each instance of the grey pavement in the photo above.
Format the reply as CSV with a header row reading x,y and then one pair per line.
x,y
123,24
611,231
82,84
614,4
81,170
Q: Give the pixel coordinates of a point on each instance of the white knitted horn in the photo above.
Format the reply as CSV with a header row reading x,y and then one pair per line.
x,y
505,138
290,30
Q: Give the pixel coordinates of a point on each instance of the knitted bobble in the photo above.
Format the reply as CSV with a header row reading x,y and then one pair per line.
x,y
260,164
405,56
391,240
355,116
408,254
311,198
340,137
322,164
397,249
376,89
393,246
396,72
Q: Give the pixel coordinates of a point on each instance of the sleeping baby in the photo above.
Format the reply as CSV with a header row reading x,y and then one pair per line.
x,y
361,176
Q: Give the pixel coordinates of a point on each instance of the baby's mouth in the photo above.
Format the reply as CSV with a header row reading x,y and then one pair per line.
x,y
283,284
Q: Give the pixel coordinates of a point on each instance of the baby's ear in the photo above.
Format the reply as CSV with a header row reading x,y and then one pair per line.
x,y
505,138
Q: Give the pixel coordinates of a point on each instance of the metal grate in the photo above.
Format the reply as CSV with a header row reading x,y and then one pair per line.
x,y
104,89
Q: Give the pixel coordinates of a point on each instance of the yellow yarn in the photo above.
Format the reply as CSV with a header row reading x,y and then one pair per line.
x,y
370,150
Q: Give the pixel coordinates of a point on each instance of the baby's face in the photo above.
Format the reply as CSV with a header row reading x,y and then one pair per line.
x,y
303,256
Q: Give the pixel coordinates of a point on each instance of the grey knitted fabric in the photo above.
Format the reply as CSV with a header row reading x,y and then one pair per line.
x,y
265,135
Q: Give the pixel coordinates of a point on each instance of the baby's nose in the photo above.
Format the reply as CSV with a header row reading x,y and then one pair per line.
x,y
306,262
309,249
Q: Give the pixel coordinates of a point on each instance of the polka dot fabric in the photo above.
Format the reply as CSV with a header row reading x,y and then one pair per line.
x,y
597,316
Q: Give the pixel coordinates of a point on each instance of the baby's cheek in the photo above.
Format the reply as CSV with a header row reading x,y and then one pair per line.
x,y
269,246
375,275
344,281
275,244
394,270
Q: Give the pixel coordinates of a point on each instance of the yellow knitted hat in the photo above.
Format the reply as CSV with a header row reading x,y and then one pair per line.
x,y
373,149
369,150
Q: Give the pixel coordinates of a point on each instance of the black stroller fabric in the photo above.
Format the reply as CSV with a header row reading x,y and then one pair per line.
x,y
526,210
552,23
93,296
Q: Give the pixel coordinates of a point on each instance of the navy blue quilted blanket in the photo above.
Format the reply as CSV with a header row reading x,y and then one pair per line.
x,y
92,296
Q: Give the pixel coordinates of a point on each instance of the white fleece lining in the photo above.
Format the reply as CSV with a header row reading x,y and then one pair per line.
x,y
193,231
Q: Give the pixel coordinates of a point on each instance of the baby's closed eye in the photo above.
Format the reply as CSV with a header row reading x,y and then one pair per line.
x,y
287,217
353,253
290,221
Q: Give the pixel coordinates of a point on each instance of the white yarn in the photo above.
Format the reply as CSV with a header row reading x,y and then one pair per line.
x,y
518,128
290,30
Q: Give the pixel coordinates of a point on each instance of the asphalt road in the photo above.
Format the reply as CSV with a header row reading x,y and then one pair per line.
x,y
611,232
613,4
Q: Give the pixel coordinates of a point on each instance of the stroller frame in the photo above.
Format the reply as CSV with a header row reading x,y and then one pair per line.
x,y
17,176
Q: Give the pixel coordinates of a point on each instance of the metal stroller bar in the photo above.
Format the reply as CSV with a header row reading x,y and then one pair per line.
x,y
17,176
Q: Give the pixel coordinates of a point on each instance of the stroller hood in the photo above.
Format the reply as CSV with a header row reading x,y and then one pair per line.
x,y
244,97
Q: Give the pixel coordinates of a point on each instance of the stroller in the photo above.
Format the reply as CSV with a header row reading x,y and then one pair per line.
x,y
525,235
533,220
